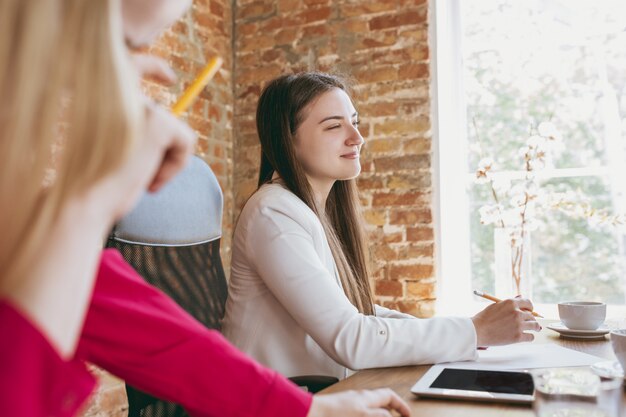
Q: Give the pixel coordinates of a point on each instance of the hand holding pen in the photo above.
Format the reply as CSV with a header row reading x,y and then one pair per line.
x,y
497,300
505,321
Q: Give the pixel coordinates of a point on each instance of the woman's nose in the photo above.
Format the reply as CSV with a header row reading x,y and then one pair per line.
x,y
354,138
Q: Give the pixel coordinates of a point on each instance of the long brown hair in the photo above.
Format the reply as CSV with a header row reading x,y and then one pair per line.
x,y
279,113
60,60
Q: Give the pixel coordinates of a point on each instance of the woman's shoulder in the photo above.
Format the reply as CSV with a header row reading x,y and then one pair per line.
x,y
274,199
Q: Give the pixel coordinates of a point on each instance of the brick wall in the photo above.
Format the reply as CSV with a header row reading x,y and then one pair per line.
x,y
383,45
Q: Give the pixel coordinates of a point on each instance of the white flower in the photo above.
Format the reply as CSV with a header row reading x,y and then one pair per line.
x,y
490,214
548,130
483,173
536,164
535,141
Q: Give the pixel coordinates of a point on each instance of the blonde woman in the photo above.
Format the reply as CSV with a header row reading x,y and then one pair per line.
x,y
78,144
299,294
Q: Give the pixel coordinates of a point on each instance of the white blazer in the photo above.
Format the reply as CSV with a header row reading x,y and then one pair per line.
x,y
286,307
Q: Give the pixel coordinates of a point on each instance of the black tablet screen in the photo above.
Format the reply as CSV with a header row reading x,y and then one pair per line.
x,y
491,381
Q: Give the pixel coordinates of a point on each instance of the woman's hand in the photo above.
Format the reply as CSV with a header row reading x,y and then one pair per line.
x,y
375,403
505,322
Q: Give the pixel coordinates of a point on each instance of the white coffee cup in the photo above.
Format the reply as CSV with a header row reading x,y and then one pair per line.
x,y
582,315
618,341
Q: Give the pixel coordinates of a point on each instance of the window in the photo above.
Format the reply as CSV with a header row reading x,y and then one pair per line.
x,y
502,67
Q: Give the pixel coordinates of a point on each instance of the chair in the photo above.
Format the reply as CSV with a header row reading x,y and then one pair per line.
x,y
172,238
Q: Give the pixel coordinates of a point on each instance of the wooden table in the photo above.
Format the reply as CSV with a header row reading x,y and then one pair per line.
x,y
401,380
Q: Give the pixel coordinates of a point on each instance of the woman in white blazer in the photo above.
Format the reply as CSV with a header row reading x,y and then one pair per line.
x,y
299,294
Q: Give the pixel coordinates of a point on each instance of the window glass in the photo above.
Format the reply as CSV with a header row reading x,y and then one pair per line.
x,y
532,61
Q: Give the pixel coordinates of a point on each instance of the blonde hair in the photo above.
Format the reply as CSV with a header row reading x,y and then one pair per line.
x,y
69,105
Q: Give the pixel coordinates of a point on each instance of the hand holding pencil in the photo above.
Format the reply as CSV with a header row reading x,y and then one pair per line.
x,y
505,321
497,300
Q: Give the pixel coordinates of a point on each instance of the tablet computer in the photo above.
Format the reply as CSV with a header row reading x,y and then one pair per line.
x,y
476,384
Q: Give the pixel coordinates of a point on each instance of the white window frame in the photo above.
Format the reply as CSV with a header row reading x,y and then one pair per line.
x,y
452,259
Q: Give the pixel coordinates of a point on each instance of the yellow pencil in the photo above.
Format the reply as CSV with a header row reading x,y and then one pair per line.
x,y
196,87
497,300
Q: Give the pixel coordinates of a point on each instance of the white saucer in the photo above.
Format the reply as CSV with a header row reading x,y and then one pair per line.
x,y
579,334
608,369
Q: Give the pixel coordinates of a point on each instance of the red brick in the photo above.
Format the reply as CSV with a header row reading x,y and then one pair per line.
x,y
247,29
278,22
370,43
218,152
375,217
376,75
417,308
411,217
370,182
394,237
362,8
398,19
411,180
288,6
385,199
417,146
286,36
419,234
256,9
267,72
218,168
381,146
417,251
217,9
389,288
355,26
414,71
379,108
403,126
317,31
256,42
315,15
414,35
397,163
367,166
384,253
420,290
413,271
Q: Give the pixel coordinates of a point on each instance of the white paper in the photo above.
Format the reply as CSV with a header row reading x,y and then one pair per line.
x,y
527,356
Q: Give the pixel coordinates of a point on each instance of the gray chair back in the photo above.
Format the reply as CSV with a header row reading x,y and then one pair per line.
x,y
172,238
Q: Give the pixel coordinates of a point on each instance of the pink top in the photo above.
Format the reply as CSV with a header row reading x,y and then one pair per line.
x,y
139,334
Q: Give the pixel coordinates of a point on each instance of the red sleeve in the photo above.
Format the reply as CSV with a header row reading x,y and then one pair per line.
x,y
34,380
139,334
